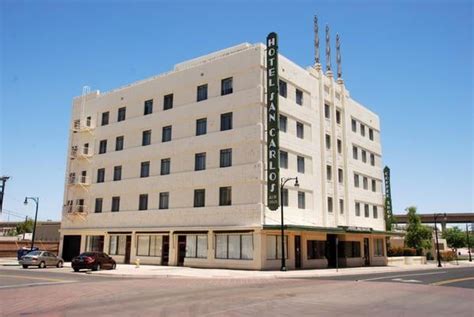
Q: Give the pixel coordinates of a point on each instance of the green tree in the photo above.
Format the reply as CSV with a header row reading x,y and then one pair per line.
x,y
25,227
455,237
418,236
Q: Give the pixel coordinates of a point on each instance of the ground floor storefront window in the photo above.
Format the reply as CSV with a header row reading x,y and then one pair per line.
x,y
196,246
274,247
95,243
379,250
349,249
149,245
316,249
117,244
234,246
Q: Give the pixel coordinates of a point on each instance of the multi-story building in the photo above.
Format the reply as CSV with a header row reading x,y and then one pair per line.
x,y
171,170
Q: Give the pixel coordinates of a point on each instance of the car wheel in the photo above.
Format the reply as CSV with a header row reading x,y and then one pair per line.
x,y
114,266
25,266
60,264
42,265
96,268
76,270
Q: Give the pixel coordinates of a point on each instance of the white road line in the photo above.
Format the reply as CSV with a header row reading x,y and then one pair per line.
x,y
35,284
406,275
405,281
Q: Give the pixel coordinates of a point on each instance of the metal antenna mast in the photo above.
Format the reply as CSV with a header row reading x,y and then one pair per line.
x,y
316,41
328,50
338,57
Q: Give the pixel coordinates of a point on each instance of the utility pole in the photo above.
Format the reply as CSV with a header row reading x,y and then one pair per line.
x,y
3,180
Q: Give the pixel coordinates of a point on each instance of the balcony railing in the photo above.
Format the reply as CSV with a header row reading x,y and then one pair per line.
x,y
82,125
75,209
81,152
79,180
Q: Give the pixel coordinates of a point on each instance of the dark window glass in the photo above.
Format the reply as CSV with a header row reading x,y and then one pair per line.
x,y
356,180
119,143
283,88
283,123
199,197
300,130
148,107
115,203
355,152
100,175
226,121
225,196
338,116
366,211
340,175
299,97
85,149
201,126
98,205
202,92
283,159
166,136
339,146
349,249
226,158
316,249
327,111
328,142
364,156
330,207
375,211
300,164
366,182
165,166
354,125
357,209
164,200
341,206
371,134
117,173
285,197
122,112
146,137
374,185
301,200
200,161
168,102
372,159
105,118
328,172
143,202
362,129
226,86
145,169
102,146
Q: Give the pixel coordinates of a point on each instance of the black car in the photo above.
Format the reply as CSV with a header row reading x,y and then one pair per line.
x,y
94,261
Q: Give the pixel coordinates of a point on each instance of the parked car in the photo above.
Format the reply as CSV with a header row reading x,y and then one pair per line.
x,y
41,259
94,261
24,251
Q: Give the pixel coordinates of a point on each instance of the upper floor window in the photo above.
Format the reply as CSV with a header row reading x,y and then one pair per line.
x,y
226,86
115,204
202,92
374,185
119,143
357,209
168,102
329,172
339,146
165,166
375,211
364,156
145,169
164,200
166,134
199,197
226,158
300,130
283,123
340,175
282,88
225,196
201,126
327,111
98,205
366,211
226,121
100,175
330,205
338,116
117,173
356,180
283,159
121,114
148,107
328,142
143,202
365,182
371,134
299,97
341,206
300,164
362,129
146,137
354,125
372,159
200,161
102,146
105,118
355,152
301,200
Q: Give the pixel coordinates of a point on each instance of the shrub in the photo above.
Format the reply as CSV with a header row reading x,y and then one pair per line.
x,y
429,256
409,251
447,255
395,251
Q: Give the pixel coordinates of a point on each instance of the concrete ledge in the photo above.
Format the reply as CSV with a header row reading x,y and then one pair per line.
x,y
406,260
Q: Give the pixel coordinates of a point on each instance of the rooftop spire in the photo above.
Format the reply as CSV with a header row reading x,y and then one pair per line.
x,y
338,57
316,41
328,50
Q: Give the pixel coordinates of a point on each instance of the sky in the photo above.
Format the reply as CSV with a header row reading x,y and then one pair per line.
x,y
408,61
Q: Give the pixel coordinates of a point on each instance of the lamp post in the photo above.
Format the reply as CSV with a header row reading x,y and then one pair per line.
x,y
468,242
283,182
436,237
36,200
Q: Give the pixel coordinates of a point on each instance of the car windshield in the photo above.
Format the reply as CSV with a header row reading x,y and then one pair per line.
x,y
34,253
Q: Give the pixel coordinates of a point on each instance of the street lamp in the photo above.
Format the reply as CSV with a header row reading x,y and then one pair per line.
x,y
283,182
436,237
36,200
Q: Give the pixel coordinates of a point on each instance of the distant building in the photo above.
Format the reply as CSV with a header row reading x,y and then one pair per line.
x,y
47,231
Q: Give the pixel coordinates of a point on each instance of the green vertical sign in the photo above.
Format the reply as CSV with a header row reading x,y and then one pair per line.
x,y
388,199
273,143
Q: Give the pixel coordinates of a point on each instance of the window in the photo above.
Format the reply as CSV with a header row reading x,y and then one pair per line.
x,y
371,134
143,202
372,159
165,166
148,109
119,143
330,207
300,130
327,111
149,245
356,181
274,247
86,149
366,182
100,175
225,196
379,250
105,118
98,205
234,246
355,153
201,93
145,169
285,197
374,185
282,88
146,137
168,102
362,129
121,114
94,243
299,97
117,173
196,246
300,164
339,146
366,211
80,205
226,121
199,197
226,158
340,175
357,209
316,249
164,200
341,206
166,134
338,116
201,126
329,172
375,212
328,142
115,204
364,156
301,200
226,86
283,123
354,125
349,249
283,159
117,244
200,161
102,146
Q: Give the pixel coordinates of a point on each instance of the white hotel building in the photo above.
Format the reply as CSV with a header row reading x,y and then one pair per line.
x,y
171,170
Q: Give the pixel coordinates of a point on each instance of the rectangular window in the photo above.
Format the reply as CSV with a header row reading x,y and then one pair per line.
x,y
168,102
115,204
85,149
166,134
146,137
372,159
94,243
143,202
143,245
102,146
299,97
316,249
357,209
200,161
339,146
356,180
375,212
117,173
300,130
362,129
148,107
283,159
300,164
234,246
341,206
98,205
340,175
226,158
196,246
285,197
338,116
282,88
379,250
366,183
201,126
355,153
149,245
301,200
354,125
201,93
165,166
101,175
364,156
329,172
145,169
327,111
371,134
226,121
349,249
226,86
105,118
121,114
274,247
283,123
330,207
328,142
374,185
366,211
119,143
117,244
199,197
225,196
164,200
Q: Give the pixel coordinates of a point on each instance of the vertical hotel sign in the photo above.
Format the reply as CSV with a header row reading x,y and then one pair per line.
x,y
273,145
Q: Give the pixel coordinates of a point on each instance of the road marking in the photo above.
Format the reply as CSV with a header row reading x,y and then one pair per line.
x,y
33,278
405,281
35,284
397,276
453,281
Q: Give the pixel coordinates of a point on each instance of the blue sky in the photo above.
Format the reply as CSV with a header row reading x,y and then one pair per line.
x,y
409,61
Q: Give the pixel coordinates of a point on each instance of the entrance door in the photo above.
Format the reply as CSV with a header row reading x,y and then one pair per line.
x,y
165,250
366,252
181,250
128,245
331,250
71,247
298,252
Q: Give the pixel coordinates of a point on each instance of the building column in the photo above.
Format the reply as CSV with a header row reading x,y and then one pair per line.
x,y
173,254
83,243
133,245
